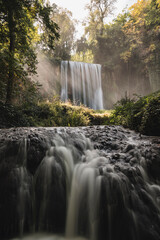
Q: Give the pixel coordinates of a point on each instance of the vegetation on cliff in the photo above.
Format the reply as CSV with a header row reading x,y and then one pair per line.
x,y
141,114
50,114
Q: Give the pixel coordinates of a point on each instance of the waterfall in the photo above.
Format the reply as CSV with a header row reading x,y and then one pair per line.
x,y
81,83
79,189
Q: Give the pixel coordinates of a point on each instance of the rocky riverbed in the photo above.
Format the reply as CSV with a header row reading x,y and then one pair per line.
x,y
116,170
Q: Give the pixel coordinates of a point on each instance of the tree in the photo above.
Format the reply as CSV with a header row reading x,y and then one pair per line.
x,y
83,52
19,35
142,30
98,12
64,45
112,44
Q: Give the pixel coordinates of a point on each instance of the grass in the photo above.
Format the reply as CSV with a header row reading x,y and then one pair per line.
x,y
49,114
141,114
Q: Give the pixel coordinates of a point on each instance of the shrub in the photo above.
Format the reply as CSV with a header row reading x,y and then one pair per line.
x,y
11,116
141,114
49,114
150,124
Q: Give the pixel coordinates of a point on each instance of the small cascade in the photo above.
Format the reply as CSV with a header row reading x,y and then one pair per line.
x,y
81,83
16,190
80,191
85,193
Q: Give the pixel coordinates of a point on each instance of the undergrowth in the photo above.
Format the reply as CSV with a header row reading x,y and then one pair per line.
x,y
141,114
50,114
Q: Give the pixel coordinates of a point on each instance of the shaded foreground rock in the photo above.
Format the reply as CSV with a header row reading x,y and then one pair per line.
x,y
118,191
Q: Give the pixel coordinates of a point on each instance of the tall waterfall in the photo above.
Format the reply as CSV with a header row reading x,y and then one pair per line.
x,y
81,82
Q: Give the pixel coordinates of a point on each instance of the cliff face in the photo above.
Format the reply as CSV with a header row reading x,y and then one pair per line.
x,y
120,82
67,180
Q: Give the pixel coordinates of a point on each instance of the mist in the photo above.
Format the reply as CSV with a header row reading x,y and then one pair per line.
x,y
115,84
48,76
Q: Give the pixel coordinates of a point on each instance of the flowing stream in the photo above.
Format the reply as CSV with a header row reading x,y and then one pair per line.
x,y
91,183
81,83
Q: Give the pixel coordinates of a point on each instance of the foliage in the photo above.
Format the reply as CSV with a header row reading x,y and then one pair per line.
x,y
150,123
98,11
18,39
142,114
138,42
49,114
128,48
66,23
135,32
57,113
11,116
143,31
99,118
83,52
86,57
112,44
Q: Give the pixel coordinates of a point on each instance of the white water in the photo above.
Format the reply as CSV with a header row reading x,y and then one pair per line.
x,y
23,189
44,236
71,159
81,82
82,182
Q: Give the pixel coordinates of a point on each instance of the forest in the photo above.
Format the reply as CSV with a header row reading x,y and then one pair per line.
x,y
128,49
79,121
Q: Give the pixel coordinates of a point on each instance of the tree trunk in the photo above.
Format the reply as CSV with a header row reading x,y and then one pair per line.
x,y
101,26
11,56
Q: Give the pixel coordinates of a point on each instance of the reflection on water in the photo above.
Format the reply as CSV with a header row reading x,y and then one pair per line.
x,y
41,236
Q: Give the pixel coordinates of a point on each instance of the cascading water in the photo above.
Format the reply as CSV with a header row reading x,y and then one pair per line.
x,y
106,191
81,83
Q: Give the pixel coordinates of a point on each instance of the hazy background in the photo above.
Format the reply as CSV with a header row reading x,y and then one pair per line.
x,y
80,13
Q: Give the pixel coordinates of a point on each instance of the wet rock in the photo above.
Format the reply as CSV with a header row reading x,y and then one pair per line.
x,y
153,166
128,148
36,151
114,146
116,156
126,170
133,161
